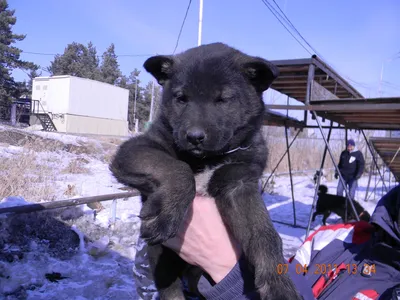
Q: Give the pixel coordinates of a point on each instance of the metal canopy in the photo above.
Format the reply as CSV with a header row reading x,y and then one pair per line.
x,y
295,73
389,150
369,114
273,118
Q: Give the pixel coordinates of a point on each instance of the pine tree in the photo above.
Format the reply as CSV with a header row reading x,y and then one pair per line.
x,y
10,56
109,68
77,60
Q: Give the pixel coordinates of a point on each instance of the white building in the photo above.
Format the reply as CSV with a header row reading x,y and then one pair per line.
x,y
79,105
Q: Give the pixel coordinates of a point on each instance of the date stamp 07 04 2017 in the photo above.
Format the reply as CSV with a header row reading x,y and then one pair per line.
x,y
326,269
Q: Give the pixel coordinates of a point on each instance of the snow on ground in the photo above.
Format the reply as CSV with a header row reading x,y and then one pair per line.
x,y
100,267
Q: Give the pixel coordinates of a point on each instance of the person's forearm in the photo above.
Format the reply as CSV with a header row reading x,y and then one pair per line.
x,y
238,285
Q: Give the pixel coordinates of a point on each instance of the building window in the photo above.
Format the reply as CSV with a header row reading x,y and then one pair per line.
x,y
45,87
38,87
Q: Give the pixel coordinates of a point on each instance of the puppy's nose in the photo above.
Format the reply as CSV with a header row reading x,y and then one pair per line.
x,y
195,136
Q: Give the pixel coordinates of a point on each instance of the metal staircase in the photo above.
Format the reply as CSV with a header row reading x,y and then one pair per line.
x,y
44,117
46,121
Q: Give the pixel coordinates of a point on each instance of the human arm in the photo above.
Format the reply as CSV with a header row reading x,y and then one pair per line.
x,y
339,165
204,241
360,165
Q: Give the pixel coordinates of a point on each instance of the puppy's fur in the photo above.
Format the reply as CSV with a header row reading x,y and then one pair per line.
x,y
328,203
206,138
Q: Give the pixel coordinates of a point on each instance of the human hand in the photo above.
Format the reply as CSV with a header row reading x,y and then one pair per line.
x,y
204,241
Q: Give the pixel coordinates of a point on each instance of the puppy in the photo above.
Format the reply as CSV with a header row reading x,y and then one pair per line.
x,y
206,139
328,203
318,174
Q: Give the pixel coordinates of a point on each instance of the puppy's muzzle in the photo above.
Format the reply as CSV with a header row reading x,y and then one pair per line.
x,y
195,136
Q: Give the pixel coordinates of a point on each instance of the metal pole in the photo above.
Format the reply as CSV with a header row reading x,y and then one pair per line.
x,y
336,167
290,175
376,163
371,170
113,211
318,182
66,203
345,204
152,102
134,105
280,160
380,81
13,118
310,78
200,23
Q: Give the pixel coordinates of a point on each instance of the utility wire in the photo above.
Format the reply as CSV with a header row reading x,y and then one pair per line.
x,y
183,24
287,20
294,27
119,55
267,4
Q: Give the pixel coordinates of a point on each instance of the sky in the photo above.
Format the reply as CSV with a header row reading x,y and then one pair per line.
x,y
355,37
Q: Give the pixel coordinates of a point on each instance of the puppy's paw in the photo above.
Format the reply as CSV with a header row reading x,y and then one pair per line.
x,y
159,229
271,285
264,258
160,219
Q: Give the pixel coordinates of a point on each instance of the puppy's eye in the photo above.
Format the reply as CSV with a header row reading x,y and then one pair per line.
x,y
181,98
221,100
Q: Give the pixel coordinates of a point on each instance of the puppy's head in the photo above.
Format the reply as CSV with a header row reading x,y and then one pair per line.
x,y
212,96
323,189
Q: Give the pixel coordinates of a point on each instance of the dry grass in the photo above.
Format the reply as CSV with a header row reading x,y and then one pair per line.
x,y
77,166
21,175
305,154
24,175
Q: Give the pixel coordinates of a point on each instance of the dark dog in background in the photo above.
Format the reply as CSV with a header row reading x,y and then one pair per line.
x,y
206,139
328,203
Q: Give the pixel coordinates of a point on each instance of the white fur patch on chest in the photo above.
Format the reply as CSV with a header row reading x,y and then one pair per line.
x,y
203,178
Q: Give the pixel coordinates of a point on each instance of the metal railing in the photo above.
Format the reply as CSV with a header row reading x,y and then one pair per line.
x,y
28,208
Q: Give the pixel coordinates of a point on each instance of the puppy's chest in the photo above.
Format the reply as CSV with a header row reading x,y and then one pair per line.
x,y
203,177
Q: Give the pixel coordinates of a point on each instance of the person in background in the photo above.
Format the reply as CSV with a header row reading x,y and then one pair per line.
x,y
351,167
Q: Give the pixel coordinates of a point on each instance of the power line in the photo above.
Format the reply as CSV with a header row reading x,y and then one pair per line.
x,y
294,27
183,24
119,55
267,4
287,20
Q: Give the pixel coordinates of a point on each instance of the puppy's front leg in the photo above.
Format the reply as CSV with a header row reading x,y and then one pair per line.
x,y
235,189
167,186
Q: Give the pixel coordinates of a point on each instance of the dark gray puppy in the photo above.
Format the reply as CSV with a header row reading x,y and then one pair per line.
x,y
206,139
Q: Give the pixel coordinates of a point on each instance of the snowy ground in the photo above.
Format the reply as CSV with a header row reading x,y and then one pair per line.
x,y
98,265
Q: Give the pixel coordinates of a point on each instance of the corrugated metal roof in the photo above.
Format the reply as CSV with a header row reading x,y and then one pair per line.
x,y
389,150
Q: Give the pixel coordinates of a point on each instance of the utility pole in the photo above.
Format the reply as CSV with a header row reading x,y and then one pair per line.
x,y
381,77
200,23
134,107
152,102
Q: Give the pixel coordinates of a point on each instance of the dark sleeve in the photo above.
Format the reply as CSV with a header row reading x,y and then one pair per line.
x,y
361,165
340,162
238,285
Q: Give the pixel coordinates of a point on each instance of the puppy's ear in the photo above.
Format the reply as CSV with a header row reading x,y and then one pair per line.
x,y
160,67
260,72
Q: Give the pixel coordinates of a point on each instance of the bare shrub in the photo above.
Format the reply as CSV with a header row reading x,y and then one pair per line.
x,y
71,190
